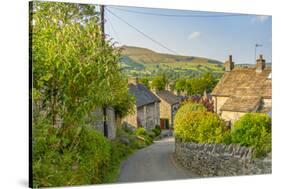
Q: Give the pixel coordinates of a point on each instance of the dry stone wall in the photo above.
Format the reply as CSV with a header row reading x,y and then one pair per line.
x,y
220,159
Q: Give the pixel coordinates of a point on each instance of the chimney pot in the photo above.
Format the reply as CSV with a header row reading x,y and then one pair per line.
x,y
230,58
260,65
229,64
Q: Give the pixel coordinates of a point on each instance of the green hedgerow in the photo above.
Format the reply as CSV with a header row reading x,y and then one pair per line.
x,y
76,156
197,125
253,130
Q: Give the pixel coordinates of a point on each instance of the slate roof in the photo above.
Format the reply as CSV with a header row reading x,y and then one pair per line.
x,y
143,95
242,104
168,96
245,82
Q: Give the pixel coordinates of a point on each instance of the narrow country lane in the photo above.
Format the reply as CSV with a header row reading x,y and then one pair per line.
x,y
154,163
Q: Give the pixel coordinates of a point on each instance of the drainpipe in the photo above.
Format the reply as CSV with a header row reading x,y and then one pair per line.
x,y
105,127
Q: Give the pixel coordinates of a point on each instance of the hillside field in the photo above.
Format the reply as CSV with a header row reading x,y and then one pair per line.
x,y
142,62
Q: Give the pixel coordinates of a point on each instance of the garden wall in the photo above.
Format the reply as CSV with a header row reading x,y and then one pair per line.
x,y
220,159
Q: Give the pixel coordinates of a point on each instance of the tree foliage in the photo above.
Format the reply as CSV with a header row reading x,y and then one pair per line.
x,y
197,85
73,69
145,81
159,82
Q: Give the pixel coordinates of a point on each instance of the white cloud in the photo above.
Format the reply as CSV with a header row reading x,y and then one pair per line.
x,y
260,19
194,35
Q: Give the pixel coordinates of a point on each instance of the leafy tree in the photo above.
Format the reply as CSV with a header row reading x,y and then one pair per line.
x,y
197,85
73,69
145,81
159,82
180,84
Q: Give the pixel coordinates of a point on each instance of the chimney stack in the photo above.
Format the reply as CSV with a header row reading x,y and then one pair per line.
x,y
229,64
260,64
133,80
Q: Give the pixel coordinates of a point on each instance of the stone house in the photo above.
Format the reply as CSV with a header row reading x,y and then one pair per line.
x,y
242,90
168,106
147,112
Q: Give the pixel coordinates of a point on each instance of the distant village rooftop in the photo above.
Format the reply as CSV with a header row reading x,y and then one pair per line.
x,y
168,96
143,95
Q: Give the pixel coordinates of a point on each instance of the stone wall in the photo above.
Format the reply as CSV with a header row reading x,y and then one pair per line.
x,y
267,102
218,103
174,110
220,159
231,116
149,115
131,119
165,111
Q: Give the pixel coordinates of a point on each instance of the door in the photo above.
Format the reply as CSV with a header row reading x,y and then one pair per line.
x,y
162,123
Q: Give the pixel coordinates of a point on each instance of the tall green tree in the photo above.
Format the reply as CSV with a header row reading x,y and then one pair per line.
x,y
74,71
197,85
159,82
145,81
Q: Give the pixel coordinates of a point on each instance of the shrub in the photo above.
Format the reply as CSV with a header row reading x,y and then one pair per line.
x,y
253,130
141,132
157,127
151,135
193,125
131,139
77,156
157,130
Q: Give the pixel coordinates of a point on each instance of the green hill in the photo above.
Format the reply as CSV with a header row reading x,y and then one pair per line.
x,y
140,62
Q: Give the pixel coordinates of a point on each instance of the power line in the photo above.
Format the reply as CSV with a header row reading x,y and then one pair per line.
x,y
147,36
114,31
185,15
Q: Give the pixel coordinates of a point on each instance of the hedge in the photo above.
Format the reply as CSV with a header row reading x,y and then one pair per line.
x,y
194,124
252,130
77,156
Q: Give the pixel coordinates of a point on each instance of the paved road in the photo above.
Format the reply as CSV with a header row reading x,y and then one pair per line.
x,y
153,163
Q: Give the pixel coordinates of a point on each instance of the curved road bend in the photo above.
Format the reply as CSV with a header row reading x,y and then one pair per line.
x,y
153,163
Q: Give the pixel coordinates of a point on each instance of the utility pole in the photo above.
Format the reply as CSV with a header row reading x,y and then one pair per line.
x,y
102,20
105,126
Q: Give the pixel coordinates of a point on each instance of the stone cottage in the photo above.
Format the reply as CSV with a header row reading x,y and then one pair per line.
x,y
242,90
168,106
147,112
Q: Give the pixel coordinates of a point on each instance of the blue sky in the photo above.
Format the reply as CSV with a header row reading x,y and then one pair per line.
x,y
212,36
